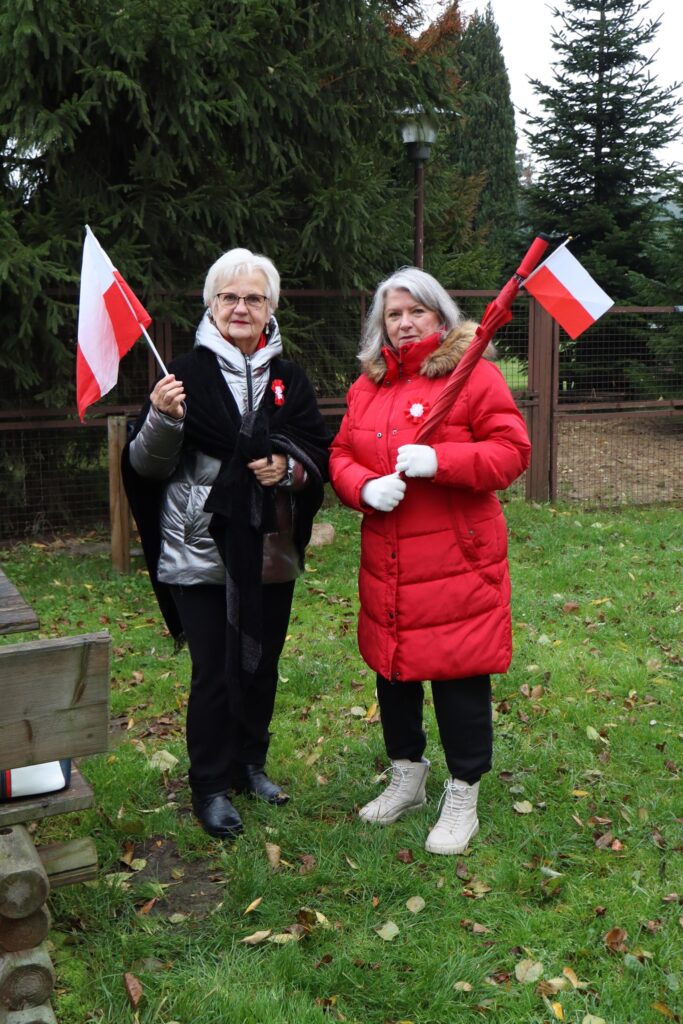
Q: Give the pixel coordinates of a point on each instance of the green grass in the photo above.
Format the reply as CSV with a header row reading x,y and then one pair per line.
x,y
515,373
588,726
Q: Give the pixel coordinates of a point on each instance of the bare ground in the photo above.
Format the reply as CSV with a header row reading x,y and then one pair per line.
x,y
620,462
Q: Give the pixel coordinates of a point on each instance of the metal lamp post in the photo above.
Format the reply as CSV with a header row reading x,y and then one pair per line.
x,y
419,133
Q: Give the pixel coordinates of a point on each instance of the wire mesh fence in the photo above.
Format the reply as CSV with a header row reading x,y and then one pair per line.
x,y
616,417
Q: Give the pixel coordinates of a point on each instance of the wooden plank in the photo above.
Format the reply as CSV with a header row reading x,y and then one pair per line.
x,y
40,737
16,615
45,676
70,862
23,882
78,797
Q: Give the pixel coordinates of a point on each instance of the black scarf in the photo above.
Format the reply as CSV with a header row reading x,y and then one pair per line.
x,y
242,510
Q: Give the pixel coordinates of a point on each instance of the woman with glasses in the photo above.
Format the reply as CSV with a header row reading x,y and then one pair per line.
x,y
225,472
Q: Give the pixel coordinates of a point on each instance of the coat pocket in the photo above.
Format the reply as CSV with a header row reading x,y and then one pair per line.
x,y
484,544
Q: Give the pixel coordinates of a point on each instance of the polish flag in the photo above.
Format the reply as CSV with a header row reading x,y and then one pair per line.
x,y
110,321
568,292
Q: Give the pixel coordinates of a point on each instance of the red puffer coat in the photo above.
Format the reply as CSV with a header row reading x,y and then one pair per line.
x,y
434,583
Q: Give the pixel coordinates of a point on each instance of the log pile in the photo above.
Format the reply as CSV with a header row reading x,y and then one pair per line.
x,y
27,976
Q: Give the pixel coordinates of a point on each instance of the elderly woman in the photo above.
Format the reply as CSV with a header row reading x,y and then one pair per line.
x,y
225,473
434,584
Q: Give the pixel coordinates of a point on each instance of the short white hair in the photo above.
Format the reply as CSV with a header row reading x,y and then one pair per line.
x,y
424,288
241,261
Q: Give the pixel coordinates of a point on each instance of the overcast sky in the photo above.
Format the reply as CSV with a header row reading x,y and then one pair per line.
x,y
524,29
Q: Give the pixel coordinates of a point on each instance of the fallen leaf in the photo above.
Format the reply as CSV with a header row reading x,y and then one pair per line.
x,y
615,939
462,986
253,905
133,988
590,1019
284,937
164,760
415,904
372,711
388,931
352,864
558,1012
256,938
357,711
307,863
523,807
178,918
405,856
273,853
147,906
664,1010
552,986
528,971
571,975
481,929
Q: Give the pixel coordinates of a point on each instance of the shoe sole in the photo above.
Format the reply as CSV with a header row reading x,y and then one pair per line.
x,y
452,851
390,821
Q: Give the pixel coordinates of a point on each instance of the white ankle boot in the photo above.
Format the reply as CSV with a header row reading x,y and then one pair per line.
x,y
405,792
458,822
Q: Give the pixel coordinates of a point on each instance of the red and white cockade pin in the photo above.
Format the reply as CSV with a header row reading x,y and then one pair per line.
x,y
416,411
278,389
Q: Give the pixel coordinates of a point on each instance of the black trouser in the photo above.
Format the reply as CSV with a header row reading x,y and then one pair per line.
x,y
216,743
463,714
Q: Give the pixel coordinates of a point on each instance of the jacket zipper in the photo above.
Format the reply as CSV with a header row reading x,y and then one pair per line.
x,y
250,387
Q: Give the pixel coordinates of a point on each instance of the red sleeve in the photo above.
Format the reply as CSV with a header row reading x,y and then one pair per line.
x,y
499,450
346,475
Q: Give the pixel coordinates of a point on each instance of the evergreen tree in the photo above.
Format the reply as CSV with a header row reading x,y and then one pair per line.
x,y
604,120
180,128
484,139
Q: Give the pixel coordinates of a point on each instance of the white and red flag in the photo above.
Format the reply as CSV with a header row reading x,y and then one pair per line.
x,y
110,321
568,292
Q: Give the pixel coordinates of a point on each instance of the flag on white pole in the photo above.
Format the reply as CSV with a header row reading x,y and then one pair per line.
x,y
110,321
568,292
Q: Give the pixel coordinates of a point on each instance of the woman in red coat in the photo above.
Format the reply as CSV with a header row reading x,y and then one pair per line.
x,y
434,583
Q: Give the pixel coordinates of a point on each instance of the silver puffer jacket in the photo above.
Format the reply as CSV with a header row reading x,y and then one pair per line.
x,y
188,552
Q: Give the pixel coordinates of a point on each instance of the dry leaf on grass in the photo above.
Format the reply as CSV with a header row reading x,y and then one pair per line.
x,y
273,853
256,938
462,986
388,931
415,904
253,905
133,988
528,971
615,939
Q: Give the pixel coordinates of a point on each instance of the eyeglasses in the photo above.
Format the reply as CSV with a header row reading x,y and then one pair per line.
x,y
228,300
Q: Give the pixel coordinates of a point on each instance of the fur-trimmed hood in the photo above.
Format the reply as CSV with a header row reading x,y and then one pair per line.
x,y
441,361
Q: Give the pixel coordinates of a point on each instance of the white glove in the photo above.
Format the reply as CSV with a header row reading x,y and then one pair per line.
x,y
383,493
416,460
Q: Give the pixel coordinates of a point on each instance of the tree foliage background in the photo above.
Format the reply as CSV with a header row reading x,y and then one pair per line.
x,y
182,128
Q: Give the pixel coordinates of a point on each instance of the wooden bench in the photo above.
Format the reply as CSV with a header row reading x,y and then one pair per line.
x,y
54,696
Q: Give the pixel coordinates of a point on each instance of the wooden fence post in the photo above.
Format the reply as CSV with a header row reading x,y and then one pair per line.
x,y
542,423
119,511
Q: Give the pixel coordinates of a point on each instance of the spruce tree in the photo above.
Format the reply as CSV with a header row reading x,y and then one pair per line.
x,y
605,118
484,140
178,129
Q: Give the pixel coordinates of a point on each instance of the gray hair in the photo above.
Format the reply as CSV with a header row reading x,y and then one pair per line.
x,y
241,261
424,288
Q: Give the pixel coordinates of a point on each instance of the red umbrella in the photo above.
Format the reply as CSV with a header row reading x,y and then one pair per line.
x,y
496,314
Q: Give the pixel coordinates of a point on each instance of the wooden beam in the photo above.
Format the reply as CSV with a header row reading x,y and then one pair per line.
x,y
78,797
27,978
119,511
24,932
23,880
55,699
16,615
69,862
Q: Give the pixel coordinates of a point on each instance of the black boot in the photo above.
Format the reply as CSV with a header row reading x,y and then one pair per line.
x,y
252,778
217,815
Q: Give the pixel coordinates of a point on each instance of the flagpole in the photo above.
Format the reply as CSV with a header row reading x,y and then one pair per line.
x,y
540,266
